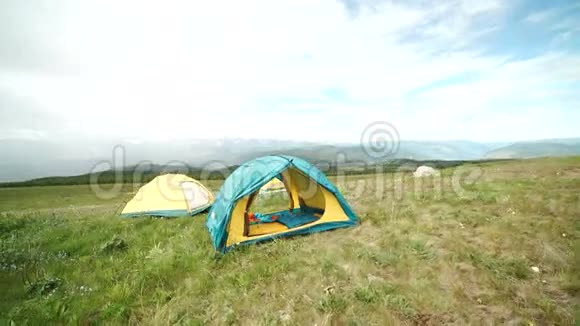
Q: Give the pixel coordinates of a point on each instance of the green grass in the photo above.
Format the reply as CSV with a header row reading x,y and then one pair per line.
x,y
424,256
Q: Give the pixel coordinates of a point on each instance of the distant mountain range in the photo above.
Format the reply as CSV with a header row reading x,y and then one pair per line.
x,y
26,159
542,148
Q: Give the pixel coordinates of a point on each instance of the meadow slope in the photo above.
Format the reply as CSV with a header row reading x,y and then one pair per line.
x,y
458,250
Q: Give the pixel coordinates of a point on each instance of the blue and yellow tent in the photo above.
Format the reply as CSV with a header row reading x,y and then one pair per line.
x,y
315,204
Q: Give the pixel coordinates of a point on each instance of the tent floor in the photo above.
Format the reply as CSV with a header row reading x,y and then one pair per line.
x,y
267,228
286,220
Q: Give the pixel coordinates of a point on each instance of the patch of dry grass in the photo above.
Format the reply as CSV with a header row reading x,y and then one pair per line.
x,y
424,254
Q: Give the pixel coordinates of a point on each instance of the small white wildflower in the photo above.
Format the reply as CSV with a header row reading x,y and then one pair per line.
x,y
535,269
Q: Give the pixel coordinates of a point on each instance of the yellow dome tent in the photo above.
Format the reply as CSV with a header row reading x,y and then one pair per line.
x,y
274,185
169,195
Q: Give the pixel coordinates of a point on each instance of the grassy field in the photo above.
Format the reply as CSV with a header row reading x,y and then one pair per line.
x,y
458,251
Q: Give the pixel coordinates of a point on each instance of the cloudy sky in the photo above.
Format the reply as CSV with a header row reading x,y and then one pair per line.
x,y
311,70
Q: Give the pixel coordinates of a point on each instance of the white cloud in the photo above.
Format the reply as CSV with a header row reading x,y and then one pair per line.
x,y
556,18
516,100
26,134
541,16
193,69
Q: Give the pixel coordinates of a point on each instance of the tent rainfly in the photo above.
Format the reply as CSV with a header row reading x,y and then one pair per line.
x,y
315,204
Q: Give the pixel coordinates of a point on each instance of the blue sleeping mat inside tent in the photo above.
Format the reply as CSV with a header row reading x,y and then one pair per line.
x,y
292,219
